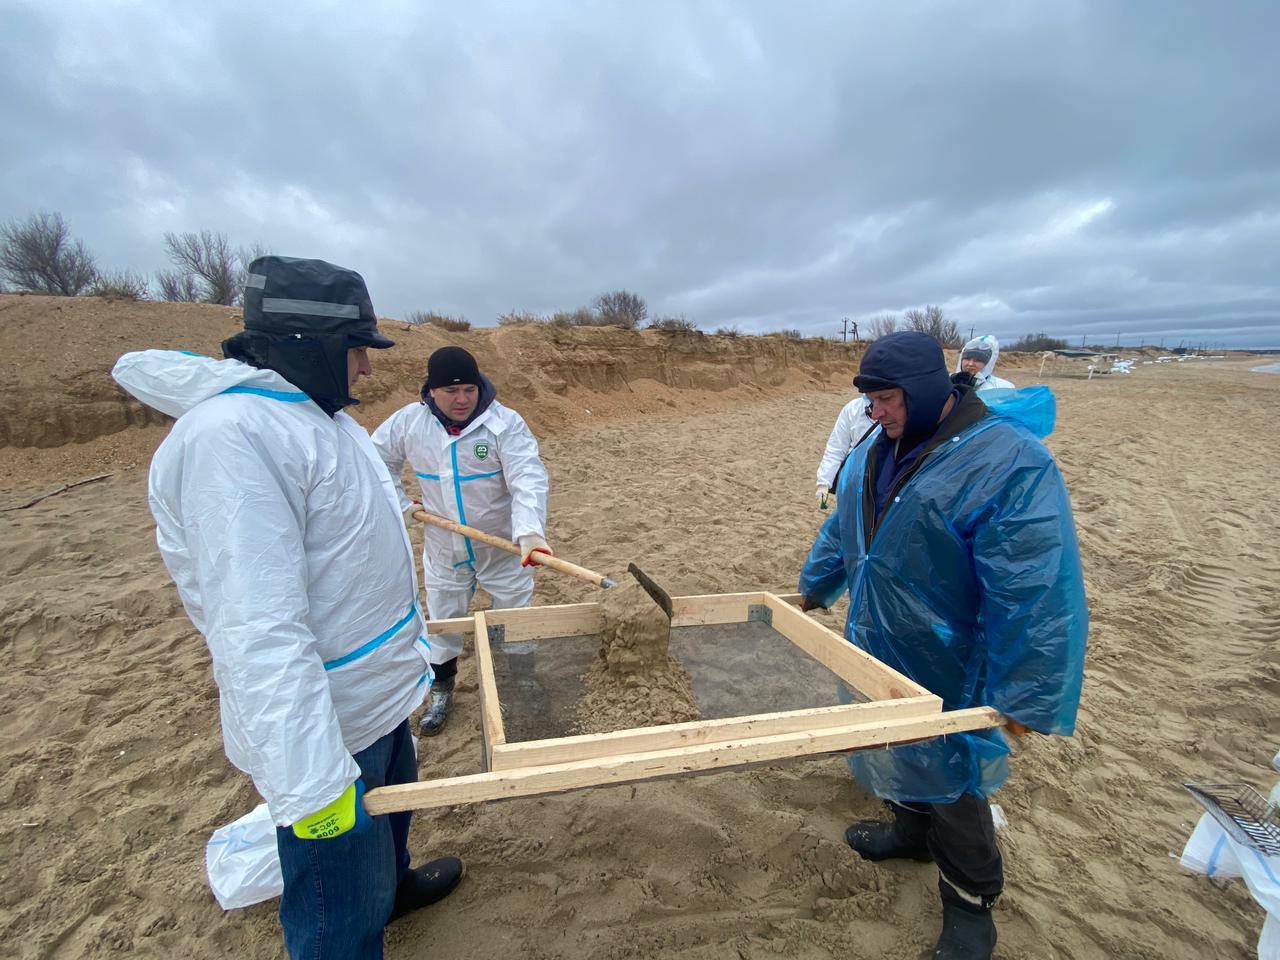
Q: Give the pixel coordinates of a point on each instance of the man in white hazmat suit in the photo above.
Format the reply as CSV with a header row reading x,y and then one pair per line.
x,y
978,360
282,530
477,463
853,425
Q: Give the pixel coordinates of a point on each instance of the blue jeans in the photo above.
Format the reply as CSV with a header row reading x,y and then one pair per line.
x,y
338,893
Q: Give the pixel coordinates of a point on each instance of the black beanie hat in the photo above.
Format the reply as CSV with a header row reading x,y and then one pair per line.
x,y
450,366
913,362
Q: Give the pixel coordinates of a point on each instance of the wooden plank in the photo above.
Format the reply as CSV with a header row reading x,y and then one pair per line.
x,y
575,619
855,666
529,781
490,707
693,611
538,623
531,753
463,625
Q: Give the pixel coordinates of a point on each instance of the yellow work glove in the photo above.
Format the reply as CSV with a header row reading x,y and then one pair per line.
x,y
344,815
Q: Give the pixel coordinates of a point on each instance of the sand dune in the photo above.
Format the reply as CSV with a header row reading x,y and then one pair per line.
x,y
114,773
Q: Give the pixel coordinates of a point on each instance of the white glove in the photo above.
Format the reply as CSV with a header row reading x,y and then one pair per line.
x,y
530,543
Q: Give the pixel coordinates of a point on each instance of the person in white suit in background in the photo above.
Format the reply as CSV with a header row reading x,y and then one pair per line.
x,y
978,360
853,425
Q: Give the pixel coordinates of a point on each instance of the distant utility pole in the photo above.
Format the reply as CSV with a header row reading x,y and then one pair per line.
x,y
1117,340
970,331
1082,336
844,323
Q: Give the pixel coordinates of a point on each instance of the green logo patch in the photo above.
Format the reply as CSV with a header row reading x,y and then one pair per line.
x,y
481,450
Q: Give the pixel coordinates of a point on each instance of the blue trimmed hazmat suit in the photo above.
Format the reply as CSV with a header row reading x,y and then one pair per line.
x,y
282,530
484,472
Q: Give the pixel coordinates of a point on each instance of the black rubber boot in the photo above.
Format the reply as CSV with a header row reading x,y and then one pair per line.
x,y
902,838
426,885
968,929
438,703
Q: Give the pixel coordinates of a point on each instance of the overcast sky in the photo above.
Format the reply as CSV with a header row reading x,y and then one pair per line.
x,y
1083,169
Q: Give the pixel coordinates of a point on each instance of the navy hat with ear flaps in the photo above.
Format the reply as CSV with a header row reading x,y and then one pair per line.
x,y
300,319
914,363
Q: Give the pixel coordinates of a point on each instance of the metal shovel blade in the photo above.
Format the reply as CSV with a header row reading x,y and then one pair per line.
x,y
660,596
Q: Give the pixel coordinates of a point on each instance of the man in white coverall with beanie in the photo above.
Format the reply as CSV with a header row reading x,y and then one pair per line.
x,y
282,530
477,463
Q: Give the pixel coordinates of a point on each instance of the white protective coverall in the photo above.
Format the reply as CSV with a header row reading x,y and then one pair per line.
x,y
489,477
851,426
282,530
985,379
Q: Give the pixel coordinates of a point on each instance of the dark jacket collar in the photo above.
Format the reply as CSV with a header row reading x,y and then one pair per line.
x,y
968,411
488,393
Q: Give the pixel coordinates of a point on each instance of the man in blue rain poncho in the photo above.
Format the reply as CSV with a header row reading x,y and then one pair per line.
x,y
953,535
281,528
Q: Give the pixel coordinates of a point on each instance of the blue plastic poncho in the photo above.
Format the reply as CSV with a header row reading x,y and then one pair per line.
x,y
971,586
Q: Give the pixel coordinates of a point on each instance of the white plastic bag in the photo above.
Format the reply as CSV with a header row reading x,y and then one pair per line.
x,y
998,818
242,861
1211,852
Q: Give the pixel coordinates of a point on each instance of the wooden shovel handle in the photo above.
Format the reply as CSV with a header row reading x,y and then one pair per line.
x,y
541,559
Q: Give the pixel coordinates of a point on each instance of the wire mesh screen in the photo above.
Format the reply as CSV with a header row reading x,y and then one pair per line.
x,y
1243,812
734,670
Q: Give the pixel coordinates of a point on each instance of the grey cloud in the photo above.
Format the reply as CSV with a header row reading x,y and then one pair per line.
x,y
1061,167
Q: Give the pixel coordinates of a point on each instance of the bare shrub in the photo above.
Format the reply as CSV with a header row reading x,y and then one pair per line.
x,y
456,324
1036,342
621,309
930,320
728,332
582,317
38,255
680,324
791,334
178,287
442,320
883,325
517,317
121,285
210,265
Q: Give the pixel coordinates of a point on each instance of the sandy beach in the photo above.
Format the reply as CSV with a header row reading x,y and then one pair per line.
x,y
696,460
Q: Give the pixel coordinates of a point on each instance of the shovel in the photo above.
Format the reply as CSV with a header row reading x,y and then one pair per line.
x,y
656,593
541,559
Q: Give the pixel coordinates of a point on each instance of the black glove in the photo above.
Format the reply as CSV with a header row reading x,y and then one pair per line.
x,y
808,603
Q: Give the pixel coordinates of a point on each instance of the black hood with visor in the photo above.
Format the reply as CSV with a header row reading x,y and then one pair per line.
x,y
300,319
